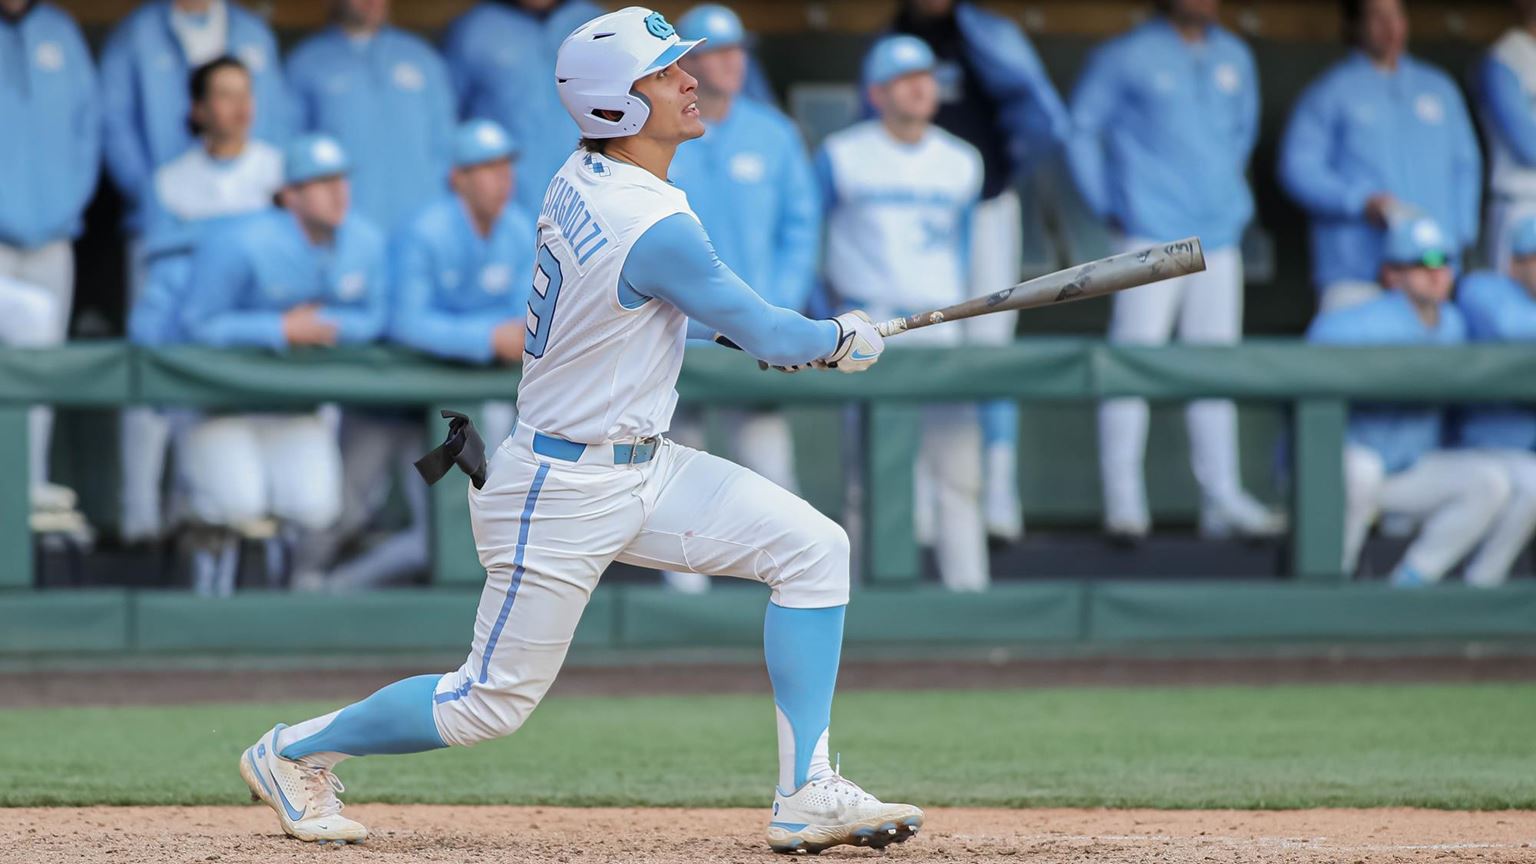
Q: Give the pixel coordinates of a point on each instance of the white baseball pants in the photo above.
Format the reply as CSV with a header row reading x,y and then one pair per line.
x,y
29,318
1208,309
546,530
1462,499
242,468
997,249
947,487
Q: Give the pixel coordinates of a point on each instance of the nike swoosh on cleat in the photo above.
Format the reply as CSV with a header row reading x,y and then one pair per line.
x,y
294,815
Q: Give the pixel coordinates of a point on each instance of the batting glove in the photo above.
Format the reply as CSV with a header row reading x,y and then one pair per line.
x,y
858,344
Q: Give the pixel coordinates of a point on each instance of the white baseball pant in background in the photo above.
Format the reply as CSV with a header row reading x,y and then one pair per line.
x,y
238,469
1462,500
547,529
947,484
29,318
1208,309
997,250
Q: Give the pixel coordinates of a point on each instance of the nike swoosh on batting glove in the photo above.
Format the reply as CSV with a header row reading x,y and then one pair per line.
x,y
859,344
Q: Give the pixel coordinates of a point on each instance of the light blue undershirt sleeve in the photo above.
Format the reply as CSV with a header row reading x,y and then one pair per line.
x,y
1499,91
674,261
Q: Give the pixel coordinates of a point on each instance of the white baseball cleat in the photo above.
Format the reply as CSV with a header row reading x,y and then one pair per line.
x,y
832,811
1240,515
304,796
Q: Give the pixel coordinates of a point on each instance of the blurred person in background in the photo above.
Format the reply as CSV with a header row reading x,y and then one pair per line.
x,y
1502,308
50,149
224,173
1504,92
995,95
900,194
501,57
384,94
462,270
749,181
1395,460
1164,121
1378,138
310,273
145,66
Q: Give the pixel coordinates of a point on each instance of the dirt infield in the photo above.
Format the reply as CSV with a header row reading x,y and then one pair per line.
x,y
410,834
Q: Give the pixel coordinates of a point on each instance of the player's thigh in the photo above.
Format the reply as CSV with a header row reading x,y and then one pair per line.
x,y
1146,314
221,467
952,445
1441,477
1211,310
28,315
714,516
303,465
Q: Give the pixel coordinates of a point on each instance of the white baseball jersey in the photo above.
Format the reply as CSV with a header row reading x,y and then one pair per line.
x,y
196,186
598,368
897,230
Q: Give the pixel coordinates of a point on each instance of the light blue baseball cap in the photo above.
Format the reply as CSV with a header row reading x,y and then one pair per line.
x,y
714,22
1522,238
1416,242
477,142
895,56
314,157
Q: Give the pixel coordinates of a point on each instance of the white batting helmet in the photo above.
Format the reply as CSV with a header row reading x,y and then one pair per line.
x,y
599,64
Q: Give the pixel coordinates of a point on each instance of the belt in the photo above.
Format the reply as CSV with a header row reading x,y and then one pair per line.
x,y
637,453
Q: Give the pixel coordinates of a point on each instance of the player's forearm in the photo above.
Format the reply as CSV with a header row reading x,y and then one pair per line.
x,y
240,330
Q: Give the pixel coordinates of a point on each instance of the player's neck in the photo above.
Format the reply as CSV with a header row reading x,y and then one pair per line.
x,y
1428,312
1530,25
644,153
317,233
904,130
1191,30
224,147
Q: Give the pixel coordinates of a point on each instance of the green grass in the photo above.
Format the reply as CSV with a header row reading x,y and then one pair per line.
x,y
1277,747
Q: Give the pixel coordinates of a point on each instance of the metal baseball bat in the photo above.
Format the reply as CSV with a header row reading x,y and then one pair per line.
x,y
1093,279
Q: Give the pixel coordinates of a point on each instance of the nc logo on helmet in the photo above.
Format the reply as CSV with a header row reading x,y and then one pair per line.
x,y
657,24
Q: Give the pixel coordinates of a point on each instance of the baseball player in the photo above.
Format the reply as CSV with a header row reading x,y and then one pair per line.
x,y
995,95
384,95
1500,308
1504,88
47,174
224,173
1379,136
749,181
900,194
1164,121
1394,461
309,273
625,274
462,267
501,60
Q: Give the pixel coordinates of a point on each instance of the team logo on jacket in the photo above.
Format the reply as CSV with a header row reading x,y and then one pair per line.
x,y
252,56
49,56
408,76
748,168
350,286
1429,108
496,278
1227,78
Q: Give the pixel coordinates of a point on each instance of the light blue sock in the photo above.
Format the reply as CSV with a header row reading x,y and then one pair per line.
x,y
999,422
802,648
396,719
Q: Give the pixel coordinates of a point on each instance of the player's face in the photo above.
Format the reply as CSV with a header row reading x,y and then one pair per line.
x,y
485,188
1523,270
673,96
913,97
226,109
320,202
538,5
1384,28
719,73
1424,285
933,8
1196,10
364,14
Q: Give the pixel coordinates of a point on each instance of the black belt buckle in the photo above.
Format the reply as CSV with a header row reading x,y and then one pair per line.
x,y
463,447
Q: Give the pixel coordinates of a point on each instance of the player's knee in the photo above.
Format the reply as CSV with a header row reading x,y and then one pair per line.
x,y
1488,486
227,503
482,714
316,509
1364,473
818,575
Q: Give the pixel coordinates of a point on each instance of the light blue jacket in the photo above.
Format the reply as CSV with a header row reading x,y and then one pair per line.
x,y
255,268
750,183
144,75
50,128
155,318
1162,132
1358,131
389,103
452,287
1028,106
502,61
1400,434
1497,309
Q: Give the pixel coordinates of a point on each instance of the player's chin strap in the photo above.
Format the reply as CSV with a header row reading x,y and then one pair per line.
x,y
463,447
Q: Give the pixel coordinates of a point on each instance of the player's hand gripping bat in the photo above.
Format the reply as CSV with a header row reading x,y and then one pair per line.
x,y
1093,279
